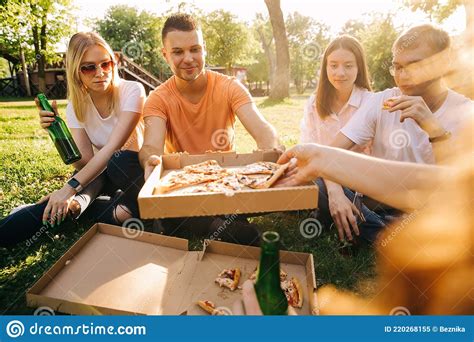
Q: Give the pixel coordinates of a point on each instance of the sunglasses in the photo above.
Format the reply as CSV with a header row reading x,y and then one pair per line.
x,y
90,69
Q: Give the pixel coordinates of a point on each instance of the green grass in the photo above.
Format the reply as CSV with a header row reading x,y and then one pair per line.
x,y
31,169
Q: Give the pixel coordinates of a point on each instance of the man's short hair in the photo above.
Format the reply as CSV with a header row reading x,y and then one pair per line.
x,y
433,36
179,22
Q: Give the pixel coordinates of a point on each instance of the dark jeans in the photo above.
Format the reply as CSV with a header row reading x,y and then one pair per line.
x,y
375,220
27,222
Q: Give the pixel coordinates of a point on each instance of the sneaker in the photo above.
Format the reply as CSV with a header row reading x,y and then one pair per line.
x,y
238,231
14,210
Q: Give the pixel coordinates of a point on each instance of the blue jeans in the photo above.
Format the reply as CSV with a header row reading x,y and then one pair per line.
x,y
375,221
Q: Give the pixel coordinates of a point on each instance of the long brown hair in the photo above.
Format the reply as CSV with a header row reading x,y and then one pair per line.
x,y
325,93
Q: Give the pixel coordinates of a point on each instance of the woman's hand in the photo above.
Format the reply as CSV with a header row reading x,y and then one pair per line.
x,y
46,118
58,205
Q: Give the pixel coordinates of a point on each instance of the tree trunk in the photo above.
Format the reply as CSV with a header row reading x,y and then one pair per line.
x,y
26,77
270,56
281,88
42,57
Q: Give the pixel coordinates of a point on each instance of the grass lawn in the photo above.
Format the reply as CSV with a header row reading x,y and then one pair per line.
x,y
31,168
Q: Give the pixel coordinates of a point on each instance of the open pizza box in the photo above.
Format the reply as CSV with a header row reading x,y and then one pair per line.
x,y
114,271
155,205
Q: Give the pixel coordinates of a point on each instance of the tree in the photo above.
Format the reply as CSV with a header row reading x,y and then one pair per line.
x,y
307,41
377,38
281,88
228,41
38,23
136,34
263,32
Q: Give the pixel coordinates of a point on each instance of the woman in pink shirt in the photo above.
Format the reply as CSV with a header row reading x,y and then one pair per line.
x,y
343,87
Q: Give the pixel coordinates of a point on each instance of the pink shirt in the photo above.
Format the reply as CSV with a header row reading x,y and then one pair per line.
x,y
316,130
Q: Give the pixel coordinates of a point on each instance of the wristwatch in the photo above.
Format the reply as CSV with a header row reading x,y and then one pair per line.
x,y
74,183
445,136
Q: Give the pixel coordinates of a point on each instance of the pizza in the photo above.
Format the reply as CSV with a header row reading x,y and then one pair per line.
x,y
293,292
388,104
261,180
267,168
209,176
207,167
210,307
253,276
229,278
180,179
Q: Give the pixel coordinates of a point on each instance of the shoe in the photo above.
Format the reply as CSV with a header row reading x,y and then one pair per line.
x,y
14,210
238,231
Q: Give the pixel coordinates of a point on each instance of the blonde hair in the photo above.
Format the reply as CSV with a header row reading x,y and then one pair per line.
x,y
77,92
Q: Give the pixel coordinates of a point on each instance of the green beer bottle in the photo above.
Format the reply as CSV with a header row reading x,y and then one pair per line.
x,y
270,296
60,134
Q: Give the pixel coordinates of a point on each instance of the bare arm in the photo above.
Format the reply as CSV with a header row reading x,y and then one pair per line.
x,y
402,185
126,123
154,143
259,128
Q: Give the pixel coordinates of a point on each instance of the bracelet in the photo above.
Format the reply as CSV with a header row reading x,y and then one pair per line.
x,y
445,136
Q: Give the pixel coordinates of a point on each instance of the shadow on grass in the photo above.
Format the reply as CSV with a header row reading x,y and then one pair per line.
x,y
271,102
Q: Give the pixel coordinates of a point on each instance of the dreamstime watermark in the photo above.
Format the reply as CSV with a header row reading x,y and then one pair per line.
x,y
400,311
133,50
221,139
222,227
400,48
310,228
313,51
399,139
44,311
133,228
394,232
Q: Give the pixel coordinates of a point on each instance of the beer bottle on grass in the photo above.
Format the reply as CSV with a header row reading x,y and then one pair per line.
x,y
270,296
60,134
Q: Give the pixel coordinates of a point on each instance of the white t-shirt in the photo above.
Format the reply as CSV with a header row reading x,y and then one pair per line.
x,y
132,97
404,141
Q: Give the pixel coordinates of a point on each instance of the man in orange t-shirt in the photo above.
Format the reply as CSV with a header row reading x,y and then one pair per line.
x,y
195,110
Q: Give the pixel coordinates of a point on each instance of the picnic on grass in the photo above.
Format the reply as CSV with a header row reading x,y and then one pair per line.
x,y
374,190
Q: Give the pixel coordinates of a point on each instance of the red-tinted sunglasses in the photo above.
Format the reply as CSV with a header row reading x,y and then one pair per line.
x,y
89,69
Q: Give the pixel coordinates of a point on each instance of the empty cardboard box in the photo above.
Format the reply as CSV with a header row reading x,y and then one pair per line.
x,y
113,271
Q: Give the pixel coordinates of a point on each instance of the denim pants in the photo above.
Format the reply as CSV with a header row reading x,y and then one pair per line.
x,y
375,220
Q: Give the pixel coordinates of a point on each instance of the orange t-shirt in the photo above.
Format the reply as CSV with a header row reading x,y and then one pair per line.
x,y
205,126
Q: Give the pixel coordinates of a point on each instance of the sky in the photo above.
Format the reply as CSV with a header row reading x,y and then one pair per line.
x,y
334,13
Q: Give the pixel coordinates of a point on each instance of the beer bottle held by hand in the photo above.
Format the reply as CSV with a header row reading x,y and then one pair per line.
x,y
270,296
60,134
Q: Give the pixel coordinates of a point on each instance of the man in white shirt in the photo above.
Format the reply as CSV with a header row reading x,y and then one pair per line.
x,y
416,122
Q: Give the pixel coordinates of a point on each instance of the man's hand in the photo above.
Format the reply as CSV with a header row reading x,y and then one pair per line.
x,y
304,166
150,165
414,107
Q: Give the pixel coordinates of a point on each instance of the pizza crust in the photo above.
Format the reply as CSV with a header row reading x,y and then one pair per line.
x,y
229,278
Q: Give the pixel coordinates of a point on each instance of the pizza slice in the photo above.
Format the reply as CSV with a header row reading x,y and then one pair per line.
x,y
253,276
207,167
179,179
210,307
388,104
229,278
267,168
293,292
262,180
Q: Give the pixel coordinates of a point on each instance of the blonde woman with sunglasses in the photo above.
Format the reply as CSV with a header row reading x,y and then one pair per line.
x,y
104,114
